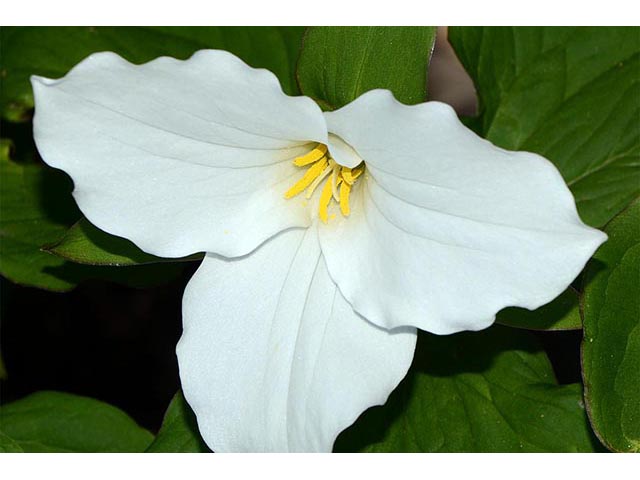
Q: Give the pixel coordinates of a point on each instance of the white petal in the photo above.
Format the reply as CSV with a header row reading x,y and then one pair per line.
x,y
178,156
273,358
447,229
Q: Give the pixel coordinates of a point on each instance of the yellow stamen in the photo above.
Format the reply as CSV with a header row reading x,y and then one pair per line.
x,y
339,181
335,181
313,156
351,175
345,190
325,198
315,170
317,181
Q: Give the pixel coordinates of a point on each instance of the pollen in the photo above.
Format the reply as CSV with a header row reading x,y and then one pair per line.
x,y
338,181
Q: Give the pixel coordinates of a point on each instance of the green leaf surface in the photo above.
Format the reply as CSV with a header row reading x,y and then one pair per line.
x,y
9,445
52,51
35,208
570,94
179,432
338,64
85,243
490,391
60,422
611,345
563,313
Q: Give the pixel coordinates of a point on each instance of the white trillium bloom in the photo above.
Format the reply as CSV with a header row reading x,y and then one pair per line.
x,y
319,267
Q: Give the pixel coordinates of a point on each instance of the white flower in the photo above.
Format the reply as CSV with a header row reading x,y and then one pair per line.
x,y
294,326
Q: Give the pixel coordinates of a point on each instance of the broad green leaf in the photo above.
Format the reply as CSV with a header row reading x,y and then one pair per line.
x,y
84,243
61,422
52,51
8,445
611,345
563,313
36,209
570,94
490,391
338,64
179,431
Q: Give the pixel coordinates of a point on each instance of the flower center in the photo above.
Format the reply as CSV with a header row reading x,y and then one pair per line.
x,y
338,184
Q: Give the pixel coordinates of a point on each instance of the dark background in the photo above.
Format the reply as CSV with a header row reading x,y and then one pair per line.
x,y
116,344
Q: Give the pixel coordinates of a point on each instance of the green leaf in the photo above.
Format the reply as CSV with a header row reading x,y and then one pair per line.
x,y
179,432
611,345
491,391
35,208
60,422
84,243
561,314
338,64
570,94
52,51
8,445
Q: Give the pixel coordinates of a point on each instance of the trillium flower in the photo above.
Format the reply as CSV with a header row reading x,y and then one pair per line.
x,y
329,237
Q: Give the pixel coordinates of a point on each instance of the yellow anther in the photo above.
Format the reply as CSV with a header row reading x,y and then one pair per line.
x,y
308,178
351,175
345,190
325,198
338,180
335,182
313,156
317,181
